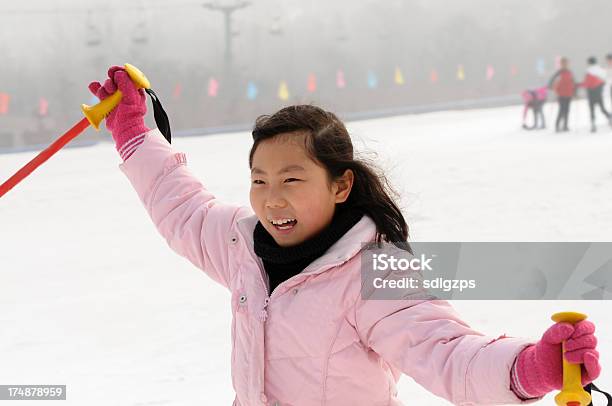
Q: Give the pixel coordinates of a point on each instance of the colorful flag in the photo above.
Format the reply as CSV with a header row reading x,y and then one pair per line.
x,y
340,82
433,76
460,72
213,87
4,103
399,78
251,91
178,90
312,83
490,72
43,106
283,91
372,80
541,66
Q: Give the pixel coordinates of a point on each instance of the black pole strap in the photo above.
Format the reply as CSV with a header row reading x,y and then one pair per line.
x,y
161,118
591,387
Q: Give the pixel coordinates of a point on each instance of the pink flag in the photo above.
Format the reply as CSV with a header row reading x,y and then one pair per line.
x,y
490,72
312,83
340,83
213,87
433,76
4,103
43,106
176,93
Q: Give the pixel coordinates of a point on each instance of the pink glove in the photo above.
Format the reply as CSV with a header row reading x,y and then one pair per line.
x,y
126,121
539,368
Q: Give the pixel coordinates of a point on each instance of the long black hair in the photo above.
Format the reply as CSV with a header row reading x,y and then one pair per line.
x,y
328,143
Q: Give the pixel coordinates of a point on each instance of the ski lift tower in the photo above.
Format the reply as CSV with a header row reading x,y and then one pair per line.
x,y
227,10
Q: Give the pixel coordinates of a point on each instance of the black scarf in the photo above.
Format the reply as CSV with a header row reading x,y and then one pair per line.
x,y
281,263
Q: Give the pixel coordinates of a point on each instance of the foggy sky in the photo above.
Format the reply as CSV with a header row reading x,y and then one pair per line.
x,y
55,48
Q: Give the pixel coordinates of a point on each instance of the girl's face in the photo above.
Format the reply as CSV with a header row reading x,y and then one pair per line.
x,y
287,185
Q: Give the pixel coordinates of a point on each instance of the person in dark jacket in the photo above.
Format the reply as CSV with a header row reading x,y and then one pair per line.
x,y
564,86
594,82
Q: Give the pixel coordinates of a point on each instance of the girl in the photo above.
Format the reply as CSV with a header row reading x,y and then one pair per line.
x,y
301,332
534,100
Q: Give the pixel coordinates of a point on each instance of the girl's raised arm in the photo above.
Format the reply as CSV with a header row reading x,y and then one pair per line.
x,y
188,216
193,222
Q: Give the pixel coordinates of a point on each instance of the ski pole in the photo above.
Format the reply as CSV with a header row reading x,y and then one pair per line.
x,y
93,116
572,393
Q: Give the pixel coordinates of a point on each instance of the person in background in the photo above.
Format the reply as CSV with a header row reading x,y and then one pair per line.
x,y
594,82
609,60
564,86
534,100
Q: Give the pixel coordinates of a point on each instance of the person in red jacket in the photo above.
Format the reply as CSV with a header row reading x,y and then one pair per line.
x,y
563,84
609,71
594,82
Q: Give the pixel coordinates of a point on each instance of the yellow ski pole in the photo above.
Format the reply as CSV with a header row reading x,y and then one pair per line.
x,y
93,116
572,393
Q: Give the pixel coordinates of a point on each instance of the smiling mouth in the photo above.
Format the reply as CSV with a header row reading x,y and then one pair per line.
x,y
284,225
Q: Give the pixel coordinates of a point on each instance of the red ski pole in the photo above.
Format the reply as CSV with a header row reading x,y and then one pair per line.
x,y
93,115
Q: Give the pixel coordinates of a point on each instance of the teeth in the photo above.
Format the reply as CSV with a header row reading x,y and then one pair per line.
x,y
280,222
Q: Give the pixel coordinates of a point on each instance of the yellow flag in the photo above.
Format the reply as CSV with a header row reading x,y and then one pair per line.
x,y
283,91
399,78
460,73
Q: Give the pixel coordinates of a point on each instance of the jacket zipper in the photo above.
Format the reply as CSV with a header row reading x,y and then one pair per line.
x,y
263,314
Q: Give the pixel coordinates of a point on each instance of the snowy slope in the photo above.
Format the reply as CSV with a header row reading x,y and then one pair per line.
x,y
91,296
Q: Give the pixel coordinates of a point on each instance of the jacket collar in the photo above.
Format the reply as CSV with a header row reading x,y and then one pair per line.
x,y
349,245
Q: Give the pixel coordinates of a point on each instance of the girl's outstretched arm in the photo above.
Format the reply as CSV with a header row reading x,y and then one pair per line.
x,y
427,340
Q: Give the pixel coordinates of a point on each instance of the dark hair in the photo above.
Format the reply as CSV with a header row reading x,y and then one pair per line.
x,y
609,56
328,143
592,60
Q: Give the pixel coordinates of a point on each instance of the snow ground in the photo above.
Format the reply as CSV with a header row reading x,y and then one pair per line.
x,y
91,296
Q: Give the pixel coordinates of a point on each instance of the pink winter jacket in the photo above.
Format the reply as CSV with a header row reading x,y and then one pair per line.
x,y
315,341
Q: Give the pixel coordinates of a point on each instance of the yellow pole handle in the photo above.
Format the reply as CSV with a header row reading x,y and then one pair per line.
x,y
95,114
572,393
